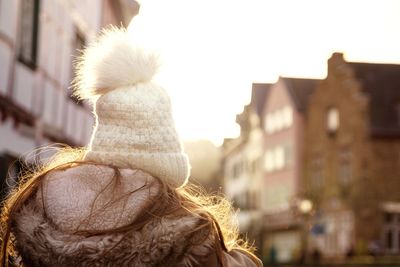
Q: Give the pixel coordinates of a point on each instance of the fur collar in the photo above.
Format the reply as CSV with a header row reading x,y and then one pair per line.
x,y
166,241
45,228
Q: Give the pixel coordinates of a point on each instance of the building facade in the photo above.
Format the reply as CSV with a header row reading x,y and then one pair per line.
x,y
242,167
326,180
283,133
263,167
352,160
38,42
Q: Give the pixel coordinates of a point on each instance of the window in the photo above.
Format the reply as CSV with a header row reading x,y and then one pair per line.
x,y
248,200
317,175
238,168
253,165
345,168
269,161
255,196
287,116
279,119
78,45
277,158
29,32
391,232
235,170
332,120
269,123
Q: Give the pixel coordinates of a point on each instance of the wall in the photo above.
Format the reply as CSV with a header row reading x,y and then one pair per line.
x,y
280,186
331,196
44,91
35,104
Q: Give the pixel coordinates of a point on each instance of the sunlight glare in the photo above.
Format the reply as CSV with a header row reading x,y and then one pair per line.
x,y
212,51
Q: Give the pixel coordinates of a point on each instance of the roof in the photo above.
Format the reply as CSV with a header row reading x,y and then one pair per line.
x,y
259,94
381,82
300,90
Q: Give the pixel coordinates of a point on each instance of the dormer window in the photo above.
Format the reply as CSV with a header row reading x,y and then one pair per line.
x,y
332,120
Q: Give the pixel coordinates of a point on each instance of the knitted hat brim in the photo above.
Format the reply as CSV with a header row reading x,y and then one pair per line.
x,y
172,168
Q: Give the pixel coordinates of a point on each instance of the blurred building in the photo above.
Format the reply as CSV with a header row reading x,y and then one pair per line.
x,y
317,163
352,159
242,166
38,41
263,167
283,122
118,12
204,159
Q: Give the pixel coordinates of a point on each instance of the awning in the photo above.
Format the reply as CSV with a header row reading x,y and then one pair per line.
x,y
391,207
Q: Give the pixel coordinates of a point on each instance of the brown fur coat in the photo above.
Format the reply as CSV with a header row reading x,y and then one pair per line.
x,y
45,228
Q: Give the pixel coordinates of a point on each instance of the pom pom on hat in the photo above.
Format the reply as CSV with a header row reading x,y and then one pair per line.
x,y
113,61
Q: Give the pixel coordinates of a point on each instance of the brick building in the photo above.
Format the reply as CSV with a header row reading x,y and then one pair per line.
x,y
38,40
352,159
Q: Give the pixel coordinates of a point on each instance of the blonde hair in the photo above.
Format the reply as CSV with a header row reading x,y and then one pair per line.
x,y
217,211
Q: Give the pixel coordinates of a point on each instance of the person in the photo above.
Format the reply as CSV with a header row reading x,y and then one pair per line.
x,y
125,199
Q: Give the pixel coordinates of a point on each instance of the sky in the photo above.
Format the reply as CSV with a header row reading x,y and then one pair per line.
x,y
211,51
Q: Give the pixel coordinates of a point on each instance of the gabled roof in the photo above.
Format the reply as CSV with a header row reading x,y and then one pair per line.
x,y
300,90
259,94
381,82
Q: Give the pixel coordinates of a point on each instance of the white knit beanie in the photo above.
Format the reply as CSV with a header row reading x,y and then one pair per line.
x,y
134,125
